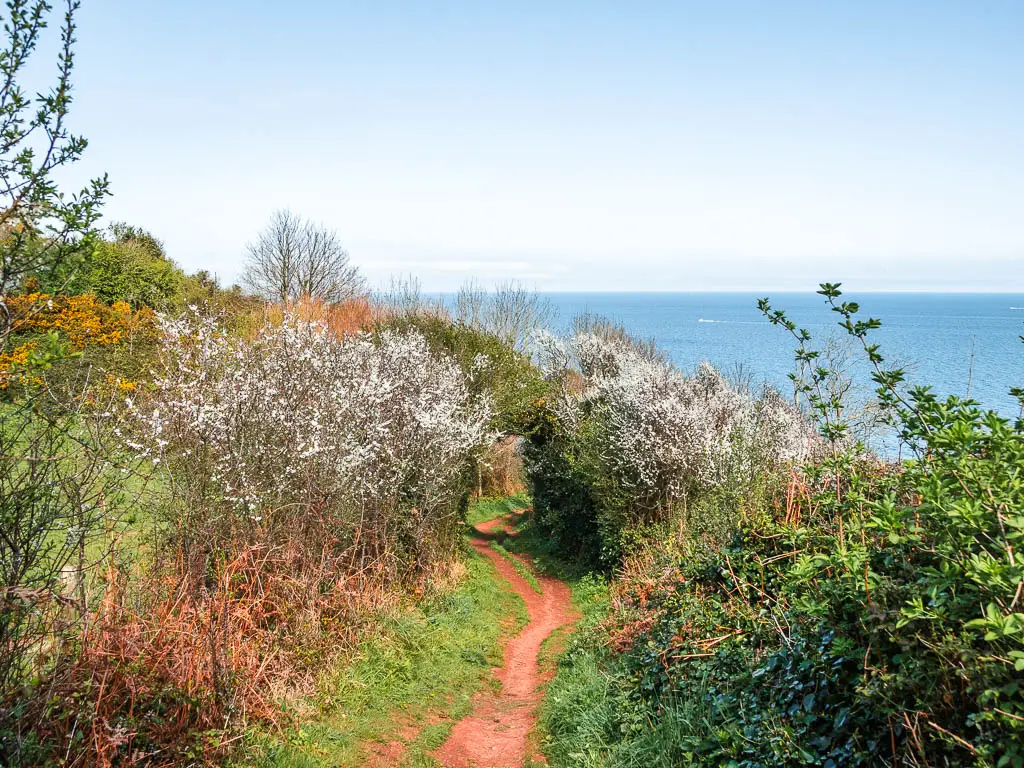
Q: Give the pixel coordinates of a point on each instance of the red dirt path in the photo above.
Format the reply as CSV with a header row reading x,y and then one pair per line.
x,y
494,735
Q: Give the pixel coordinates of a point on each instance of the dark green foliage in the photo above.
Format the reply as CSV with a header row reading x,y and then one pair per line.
x,y
130,264
562,490
877,618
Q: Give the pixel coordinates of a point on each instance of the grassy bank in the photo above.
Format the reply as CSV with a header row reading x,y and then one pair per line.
x,y
580,704
398,698
488,509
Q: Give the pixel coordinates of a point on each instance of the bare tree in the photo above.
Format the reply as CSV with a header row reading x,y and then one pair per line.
x,y
294,258
403,298
511,312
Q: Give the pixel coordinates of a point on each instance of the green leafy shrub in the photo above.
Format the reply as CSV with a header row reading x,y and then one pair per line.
x,y
129,265
870,615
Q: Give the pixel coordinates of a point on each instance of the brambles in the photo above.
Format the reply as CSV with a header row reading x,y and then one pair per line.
x,y
64,496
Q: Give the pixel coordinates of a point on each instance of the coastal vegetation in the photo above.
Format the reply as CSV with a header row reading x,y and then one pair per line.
x,y
826,608
298,523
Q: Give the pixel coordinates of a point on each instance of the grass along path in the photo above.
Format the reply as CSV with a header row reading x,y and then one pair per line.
x,y
487,509
497,733
451,682
521,567
398,698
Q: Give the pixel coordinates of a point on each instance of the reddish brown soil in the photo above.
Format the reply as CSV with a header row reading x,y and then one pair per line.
x,y
389,754
495,734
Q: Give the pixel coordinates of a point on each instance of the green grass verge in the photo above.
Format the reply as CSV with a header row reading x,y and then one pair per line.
x,y
581,703
484,510
521,568
581,707
417,675
586,720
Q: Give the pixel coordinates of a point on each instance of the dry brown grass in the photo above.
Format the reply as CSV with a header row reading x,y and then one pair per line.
x,y
342,318
171,662
501,470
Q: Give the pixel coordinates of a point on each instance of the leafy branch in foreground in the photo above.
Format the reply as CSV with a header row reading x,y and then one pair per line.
x,y
41,228
868,613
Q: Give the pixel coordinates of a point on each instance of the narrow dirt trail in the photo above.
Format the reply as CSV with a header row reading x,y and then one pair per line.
x,y
494,735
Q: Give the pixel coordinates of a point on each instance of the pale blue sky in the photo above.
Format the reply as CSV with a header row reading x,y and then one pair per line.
x,y
574,145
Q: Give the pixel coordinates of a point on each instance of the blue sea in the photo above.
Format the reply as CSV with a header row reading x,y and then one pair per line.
x,y
957,343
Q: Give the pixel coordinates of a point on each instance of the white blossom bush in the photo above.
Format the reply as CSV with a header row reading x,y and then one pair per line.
x,y
365,440
642,438
303,482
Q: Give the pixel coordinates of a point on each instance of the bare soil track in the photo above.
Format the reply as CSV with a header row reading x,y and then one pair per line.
x,y
495,734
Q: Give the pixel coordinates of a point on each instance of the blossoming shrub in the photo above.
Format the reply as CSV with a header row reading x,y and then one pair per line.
x,y
506,377
628,441
306,479
495,371
378,432
892,639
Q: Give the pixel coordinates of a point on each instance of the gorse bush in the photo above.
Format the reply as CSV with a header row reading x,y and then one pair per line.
x,y
630,441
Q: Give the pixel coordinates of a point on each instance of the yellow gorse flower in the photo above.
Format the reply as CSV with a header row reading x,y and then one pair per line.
x,y
82,320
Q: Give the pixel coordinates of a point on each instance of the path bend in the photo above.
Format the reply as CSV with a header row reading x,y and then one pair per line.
x,y
494,734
